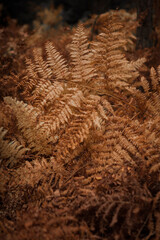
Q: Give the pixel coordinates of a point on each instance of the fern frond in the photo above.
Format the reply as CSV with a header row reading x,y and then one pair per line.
x,y
31,69
11,151
27,117
129,22
46,93
78,131
137,64
81,58
119,72
149,97
62,112
56,62
75,134
41,66
119,148
42,72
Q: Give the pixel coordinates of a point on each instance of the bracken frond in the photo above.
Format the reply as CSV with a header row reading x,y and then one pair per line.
x,y
82,67
119,72
10,151
27,117
56,62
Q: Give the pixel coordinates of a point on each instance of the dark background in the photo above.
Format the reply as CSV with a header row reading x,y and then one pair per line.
x,y
25,10
73,10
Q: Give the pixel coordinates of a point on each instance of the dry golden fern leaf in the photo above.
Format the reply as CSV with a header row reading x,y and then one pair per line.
x,y
82,67
41,71
129,21
110,59
117,150
41,66
53,66
61,111
78,130
27,117
56,62
125,147
88,117
46,93
10,151
147,94
30,67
